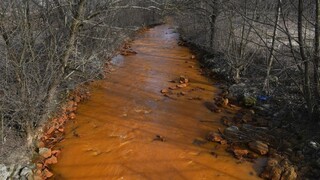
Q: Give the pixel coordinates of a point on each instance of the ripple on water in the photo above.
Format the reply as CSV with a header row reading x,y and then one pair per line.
x,y
118,125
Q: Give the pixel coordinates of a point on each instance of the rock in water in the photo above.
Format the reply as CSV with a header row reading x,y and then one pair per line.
x,y
226,121
279,171
51,160
232,132
273,170
182,85
289,174
199,141
159,138
183,80
163,91
214,137
45,152
239,153
46,173
259,147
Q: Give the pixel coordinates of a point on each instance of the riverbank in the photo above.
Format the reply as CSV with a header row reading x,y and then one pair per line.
x,y
268,126
147,118
22,161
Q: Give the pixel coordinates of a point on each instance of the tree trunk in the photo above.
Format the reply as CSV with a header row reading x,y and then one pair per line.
x,y
266,86
306,83
74,29
316,60
213,18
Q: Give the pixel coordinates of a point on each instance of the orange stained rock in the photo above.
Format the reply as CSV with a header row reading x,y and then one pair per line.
x,y
51,160
50,130
46,174
114,135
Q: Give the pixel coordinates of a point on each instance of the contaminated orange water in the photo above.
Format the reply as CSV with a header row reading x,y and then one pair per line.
x,y
130,130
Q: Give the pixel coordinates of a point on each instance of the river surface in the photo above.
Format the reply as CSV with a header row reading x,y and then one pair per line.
x,y
129,130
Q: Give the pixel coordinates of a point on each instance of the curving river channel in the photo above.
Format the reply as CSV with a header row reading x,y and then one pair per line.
x,y
130,130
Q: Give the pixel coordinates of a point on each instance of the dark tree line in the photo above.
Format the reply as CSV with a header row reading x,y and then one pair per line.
x,y
276,42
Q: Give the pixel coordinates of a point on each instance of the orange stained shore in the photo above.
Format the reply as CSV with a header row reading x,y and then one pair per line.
x,y
114,134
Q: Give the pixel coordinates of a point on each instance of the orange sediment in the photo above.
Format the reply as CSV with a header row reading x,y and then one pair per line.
x,y
141,122
53,134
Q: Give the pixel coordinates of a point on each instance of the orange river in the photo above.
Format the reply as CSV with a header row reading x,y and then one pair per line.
x,y
118,132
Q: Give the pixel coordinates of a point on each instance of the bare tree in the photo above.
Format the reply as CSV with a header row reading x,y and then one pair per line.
x,y
284,33
316,59
49,46
271,53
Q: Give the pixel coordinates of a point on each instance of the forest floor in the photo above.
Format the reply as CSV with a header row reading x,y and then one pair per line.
x,y
275,126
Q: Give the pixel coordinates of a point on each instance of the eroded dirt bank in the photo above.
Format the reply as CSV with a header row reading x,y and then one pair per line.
x,y
130,130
